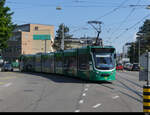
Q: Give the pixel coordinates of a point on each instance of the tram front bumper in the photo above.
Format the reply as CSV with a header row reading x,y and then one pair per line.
x,y
105,76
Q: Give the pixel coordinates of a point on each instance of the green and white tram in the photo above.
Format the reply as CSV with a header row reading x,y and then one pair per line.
x,y
95,63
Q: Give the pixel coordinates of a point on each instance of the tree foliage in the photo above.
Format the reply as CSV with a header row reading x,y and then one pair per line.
x,y
6,25
59,32
144,37
58,38
133,53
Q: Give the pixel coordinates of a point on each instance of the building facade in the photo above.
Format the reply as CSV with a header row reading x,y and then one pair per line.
x,y
126,49
77,42
29,39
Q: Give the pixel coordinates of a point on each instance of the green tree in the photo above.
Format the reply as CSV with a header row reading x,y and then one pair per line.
x,y
145,27
58,38
133,52
6,25
144,37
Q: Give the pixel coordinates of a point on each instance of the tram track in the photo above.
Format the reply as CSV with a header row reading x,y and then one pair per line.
x,y
126,87
129,88
127,72
115,91
68,94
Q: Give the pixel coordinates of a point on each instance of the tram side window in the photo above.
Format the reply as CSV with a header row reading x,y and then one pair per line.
x,y
83,61
38,61
46,62
50,61
66,62
72,62
59,62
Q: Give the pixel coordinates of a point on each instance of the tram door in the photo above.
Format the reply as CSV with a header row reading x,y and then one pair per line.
x,y
83,66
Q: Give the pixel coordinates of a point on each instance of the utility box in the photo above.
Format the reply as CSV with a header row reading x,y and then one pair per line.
x,y
144,73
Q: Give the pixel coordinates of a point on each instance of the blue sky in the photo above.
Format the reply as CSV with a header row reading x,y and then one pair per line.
x,y
120,21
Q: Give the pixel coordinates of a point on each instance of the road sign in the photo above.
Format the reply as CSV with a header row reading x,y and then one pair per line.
x,y
42,37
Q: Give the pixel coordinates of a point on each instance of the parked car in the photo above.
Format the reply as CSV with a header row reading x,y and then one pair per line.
x,y
119,66
129,66
126,66
7,67
135,67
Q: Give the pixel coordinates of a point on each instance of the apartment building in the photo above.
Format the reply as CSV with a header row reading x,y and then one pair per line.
x,y
29,39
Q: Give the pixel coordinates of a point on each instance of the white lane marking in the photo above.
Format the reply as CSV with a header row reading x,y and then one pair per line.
x,y
85,89
7,85
97,105
84,94
81,101
115,97
77,110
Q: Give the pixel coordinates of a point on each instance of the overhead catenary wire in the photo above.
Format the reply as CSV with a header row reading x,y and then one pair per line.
x,y
113,10
127,29
55,5
125,20
118,7
122,4
80,6
101,2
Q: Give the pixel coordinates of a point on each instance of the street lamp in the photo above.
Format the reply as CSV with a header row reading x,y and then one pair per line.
x,y
58,8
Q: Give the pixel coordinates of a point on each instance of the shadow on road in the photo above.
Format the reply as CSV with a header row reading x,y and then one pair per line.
x,y
63,79
55,77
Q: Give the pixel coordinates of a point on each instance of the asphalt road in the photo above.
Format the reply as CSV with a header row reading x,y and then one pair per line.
x,y
38,92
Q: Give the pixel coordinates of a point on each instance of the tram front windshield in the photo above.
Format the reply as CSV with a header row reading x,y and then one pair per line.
x,y
104,60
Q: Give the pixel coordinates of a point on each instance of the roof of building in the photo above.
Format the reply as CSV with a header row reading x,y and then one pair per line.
x,y
34,24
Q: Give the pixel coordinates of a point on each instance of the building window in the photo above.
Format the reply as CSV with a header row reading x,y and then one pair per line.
x,y
36,28
26,36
